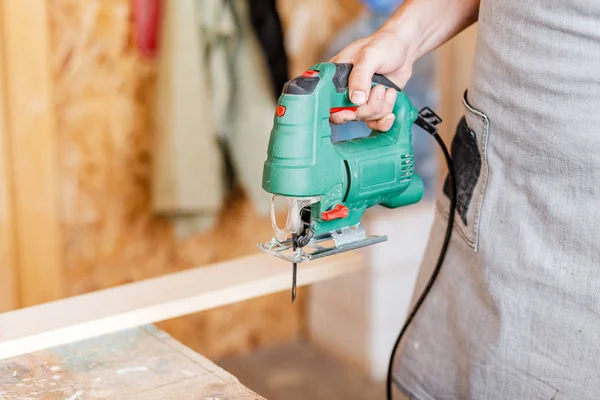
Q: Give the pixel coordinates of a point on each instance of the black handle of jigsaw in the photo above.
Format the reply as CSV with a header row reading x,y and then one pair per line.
x,y
343,70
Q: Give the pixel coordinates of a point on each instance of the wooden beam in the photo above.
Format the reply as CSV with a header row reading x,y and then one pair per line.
x,y
111,310
33,139
8,265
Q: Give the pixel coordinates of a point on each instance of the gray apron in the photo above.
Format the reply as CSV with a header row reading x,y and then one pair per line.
x,y
515,312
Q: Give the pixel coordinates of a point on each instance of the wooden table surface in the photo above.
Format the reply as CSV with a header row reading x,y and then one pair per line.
x,y
140,363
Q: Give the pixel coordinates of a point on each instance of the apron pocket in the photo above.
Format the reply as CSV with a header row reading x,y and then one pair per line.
x,y
468,151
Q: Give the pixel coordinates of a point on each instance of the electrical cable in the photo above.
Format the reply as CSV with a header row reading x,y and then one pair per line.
x,y
440,261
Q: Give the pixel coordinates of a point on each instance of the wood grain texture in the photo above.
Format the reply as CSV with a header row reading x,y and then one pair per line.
x,y
8,252
158,299
104,96
32,127
141,363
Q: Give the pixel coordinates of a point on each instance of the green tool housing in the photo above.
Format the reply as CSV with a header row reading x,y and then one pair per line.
x,y
355,174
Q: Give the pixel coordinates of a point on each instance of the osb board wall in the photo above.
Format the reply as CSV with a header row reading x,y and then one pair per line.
x,y
103,94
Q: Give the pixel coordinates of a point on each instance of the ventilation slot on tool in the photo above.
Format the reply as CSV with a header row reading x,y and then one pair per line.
x,y
408,166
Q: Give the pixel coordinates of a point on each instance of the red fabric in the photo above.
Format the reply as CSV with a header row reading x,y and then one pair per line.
x,y
146,17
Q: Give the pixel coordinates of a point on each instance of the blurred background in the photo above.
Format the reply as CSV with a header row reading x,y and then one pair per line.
x,y
132,139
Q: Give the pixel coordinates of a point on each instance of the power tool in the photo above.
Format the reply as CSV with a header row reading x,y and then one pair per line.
x,y
328,186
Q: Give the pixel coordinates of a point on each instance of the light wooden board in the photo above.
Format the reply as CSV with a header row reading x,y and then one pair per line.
x,y
32,128
140,363
8,267
111,310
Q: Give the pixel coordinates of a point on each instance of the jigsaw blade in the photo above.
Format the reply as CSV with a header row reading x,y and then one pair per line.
x,y
294,267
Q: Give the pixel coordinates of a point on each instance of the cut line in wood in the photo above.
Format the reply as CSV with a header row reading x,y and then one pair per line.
x,y
169,296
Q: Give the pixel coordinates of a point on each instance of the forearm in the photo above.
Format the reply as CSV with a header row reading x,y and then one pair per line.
x,y
430,23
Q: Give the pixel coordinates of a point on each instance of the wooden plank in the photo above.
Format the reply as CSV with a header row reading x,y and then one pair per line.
x,y
139,363
31,123
173,295
8,262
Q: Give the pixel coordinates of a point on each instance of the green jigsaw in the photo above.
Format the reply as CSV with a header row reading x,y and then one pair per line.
x,y
328,186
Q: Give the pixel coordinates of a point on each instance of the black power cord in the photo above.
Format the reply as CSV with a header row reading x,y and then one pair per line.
x,y
428,120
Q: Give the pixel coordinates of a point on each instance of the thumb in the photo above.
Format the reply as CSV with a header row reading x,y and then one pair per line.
x,y
359,81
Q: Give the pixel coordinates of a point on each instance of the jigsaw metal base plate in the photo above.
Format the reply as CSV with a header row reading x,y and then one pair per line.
x,y
328,244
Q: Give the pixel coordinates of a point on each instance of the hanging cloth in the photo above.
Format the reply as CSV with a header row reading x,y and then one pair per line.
x,y
266,24
187,164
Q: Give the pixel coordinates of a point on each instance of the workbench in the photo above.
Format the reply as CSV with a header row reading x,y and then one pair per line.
x,y
102,345
138,363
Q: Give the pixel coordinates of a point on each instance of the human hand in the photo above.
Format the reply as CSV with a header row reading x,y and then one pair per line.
x,y
383,52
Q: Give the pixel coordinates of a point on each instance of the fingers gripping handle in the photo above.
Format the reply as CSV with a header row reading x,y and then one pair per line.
x,y
327,83
341,101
